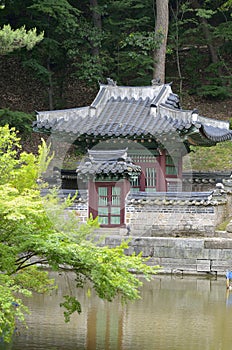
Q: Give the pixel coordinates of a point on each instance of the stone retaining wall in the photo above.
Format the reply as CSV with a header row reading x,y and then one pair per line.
x,y
182,255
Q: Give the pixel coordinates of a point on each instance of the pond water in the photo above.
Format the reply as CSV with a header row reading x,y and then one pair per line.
x,y
174,313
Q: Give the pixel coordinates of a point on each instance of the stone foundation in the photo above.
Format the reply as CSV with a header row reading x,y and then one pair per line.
x,y
182,255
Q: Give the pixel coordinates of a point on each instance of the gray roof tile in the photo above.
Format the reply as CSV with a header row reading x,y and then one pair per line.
x,y
216,134
107,163
134,112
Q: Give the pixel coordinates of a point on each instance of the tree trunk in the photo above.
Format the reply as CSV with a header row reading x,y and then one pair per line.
x,y
161,31
97,22
50,86
208,37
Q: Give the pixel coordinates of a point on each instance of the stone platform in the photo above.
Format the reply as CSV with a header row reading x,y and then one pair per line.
x,y
182,255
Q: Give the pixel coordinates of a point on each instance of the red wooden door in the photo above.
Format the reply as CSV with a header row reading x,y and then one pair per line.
x,y
110,204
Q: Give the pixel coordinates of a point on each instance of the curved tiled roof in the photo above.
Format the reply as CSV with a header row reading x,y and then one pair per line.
x,y
213,198
134,112
107,163
119,117
216,134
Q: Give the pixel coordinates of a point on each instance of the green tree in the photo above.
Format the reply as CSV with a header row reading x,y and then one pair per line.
x,y
37,230
50,61
126,40
130,40
200,35
20,120
11,39
58,20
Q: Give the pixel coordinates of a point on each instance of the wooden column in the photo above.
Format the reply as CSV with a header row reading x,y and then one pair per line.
x,y
92,195
180,168
161,172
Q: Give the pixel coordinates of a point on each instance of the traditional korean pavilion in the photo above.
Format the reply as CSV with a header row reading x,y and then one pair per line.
x,y
135,139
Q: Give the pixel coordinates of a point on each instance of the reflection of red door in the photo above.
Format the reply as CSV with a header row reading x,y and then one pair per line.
x,y
108,203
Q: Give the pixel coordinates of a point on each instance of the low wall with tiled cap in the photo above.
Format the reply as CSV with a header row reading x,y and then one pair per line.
x,y
203,181
175,221
177,216
169,214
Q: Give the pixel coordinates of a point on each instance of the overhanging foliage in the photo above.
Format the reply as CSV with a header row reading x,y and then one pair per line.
x,y
37,231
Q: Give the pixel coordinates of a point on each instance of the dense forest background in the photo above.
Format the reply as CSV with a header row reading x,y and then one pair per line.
x,y
87,41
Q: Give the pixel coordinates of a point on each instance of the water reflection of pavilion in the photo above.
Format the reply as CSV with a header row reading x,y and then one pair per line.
x,y
173,313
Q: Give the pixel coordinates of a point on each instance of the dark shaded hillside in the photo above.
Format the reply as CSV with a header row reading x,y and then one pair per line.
x,y
20,90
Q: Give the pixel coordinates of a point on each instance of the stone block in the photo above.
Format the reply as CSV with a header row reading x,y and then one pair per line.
x,y
203,265
229,227
218,243
179,264
221,265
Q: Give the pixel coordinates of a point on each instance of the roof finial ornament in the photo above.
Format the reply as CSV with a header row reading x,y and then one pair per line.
x,y
195,115
111,82
156,81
